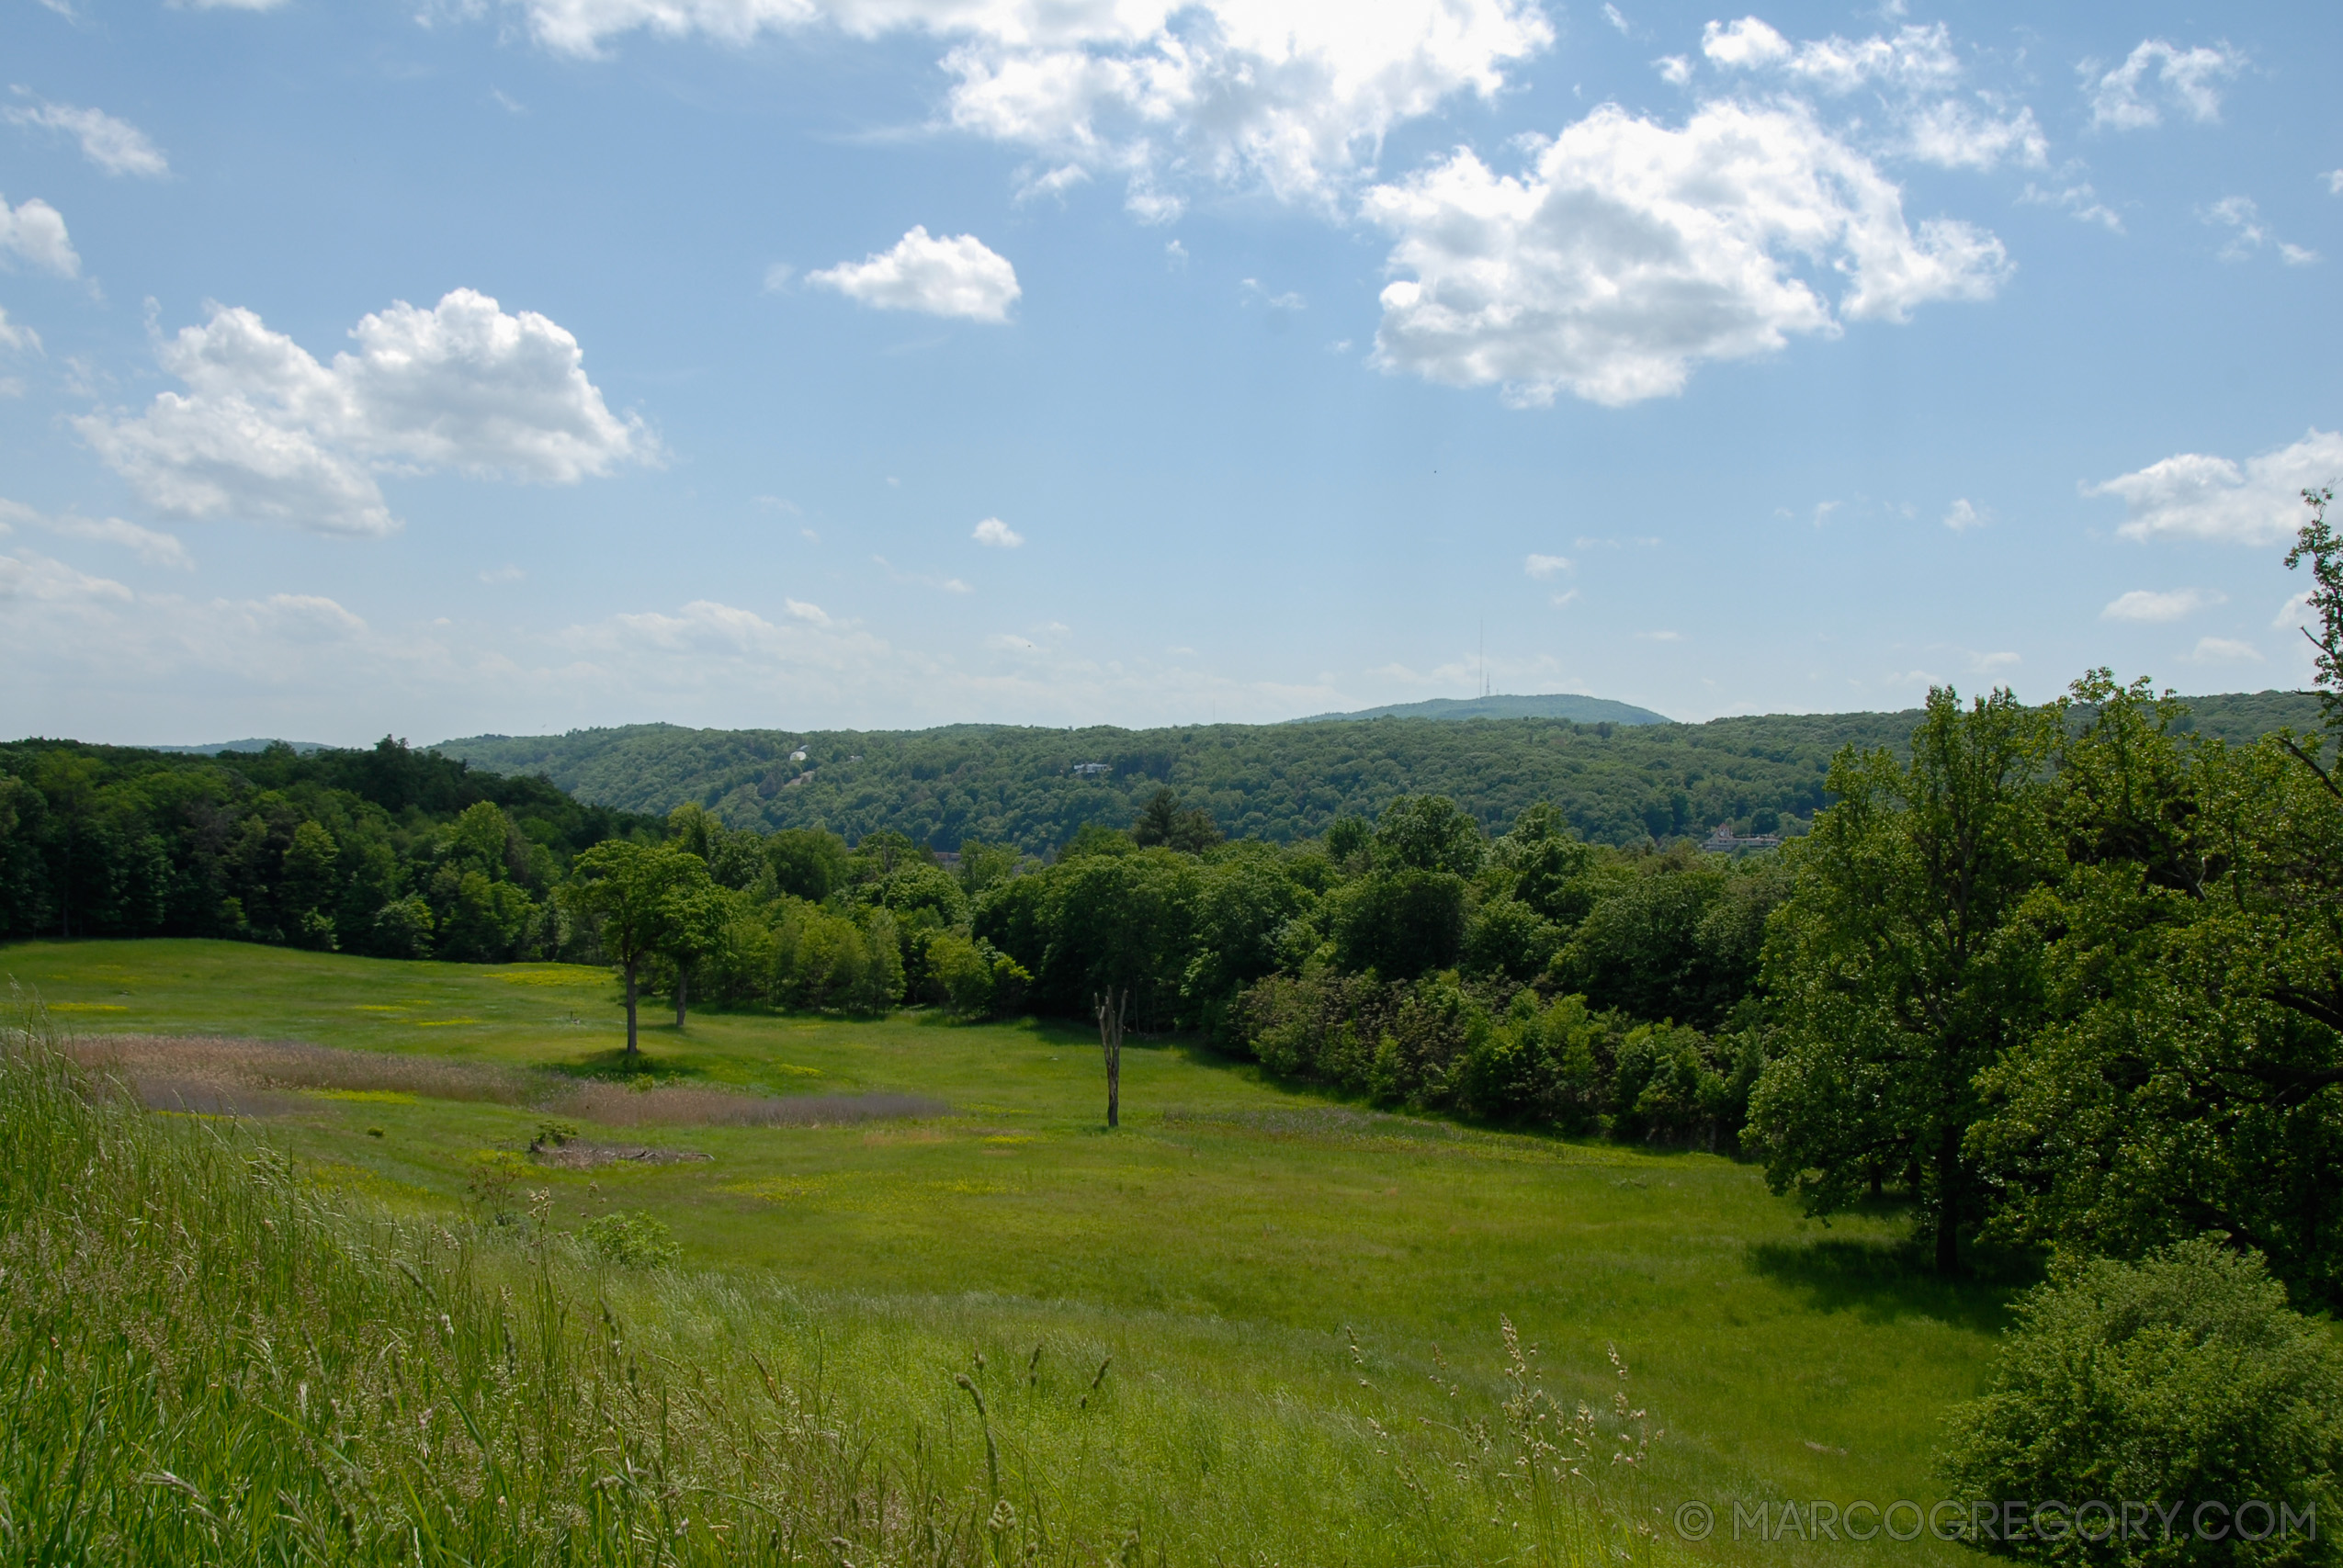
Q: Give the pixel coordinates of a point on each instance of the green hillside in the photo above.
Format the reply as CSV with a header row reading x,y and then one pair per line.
x,y
1617,784
1553,705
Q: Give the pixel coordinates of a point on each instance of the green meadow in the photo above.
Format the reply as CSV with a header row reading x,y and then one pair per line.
x,y
1250,1255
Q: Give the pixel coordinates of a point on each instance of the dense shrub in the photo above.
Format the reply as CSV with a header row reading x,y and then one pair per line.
x,y
632,1239
2181,1380
822,959
1444,1043
976,979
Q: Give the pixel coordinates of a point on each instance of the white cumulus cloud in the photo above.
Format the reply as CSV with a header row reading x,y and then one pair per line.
x,y
1914,58
1295,95
1547,566
1917,75
2148,604
1963,515
34,232
2223,650
956,275
1629,251
267,433
2193,495
2157,75
999,535
114,145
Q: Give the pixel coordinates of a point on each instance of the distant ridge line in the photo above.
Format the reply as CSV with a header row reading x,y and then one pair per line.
x,y
1572,706
253,744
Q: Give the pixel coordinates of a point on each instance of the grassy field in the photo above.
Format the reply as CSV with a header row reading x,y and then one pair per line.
x,y
1266,1255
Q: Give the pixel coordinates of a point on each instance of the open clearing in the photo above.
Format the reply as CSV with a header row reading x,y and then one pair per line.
x,y
1230,1235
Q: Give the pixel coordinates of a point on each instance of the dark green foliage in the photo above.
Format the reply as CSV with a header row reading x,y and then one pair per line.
x,y
806,863
1673,936
2183,1379
1427,832
2189,1076
1347,836
1899,966
1508,939
1441,1043
1398,923
387,850
645,902
1612,784
1283,783
1162,822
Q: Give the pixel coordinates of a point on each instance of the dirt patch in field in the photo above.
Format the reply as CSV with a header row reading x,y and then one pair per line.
x,y
579,1154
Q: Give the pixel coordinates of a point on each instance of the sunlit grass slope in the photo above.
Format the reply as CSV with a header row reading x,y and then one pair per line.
x,y
1225,1245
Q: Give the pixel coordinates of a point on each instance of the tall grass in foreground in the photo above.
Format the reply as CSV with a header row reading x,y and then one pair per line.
x,y
206,1358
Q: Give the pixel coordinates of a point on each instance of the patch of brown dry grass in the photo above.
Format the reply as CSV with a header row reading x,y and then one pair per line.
x,y
222,1076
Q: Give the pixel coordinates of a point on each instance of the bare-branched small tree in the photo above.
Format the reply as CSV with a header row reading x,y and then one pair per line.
x,y
1112,1007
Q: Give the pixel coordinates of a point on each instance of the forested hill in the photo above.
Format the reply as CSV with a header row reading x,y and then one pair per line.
x,y
1553,705
1616,784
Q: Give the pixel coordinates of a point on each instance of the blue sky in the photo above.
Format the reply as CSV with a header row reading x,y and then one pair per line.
x,y
450,366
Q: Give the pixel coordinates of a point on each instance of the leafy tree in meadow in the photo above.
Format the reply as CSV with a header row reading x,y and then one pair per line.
x,y
479,890
631,892
697,913
1899,966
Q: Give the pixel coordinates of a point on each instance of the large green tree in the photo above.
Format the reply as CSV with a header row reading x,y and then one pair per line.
x,y
633,894
2189,1078
1899,965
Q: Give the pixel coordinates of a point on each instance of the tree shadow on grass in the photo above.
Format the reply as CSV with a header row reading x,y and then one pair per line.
x,y
613,1065
1883,1282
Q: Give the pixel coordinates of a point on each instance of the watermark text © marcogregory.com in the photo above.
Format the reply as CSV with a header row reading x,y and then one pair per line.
x,y
1979,1519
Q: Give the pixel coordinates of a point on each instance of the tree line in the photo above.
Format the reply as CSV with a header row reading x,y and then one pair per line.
x,y
1612,784
390,851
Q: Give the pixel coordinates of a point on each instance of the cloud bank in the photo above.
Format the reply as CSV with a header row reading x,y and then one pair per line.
x,y
1294,96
